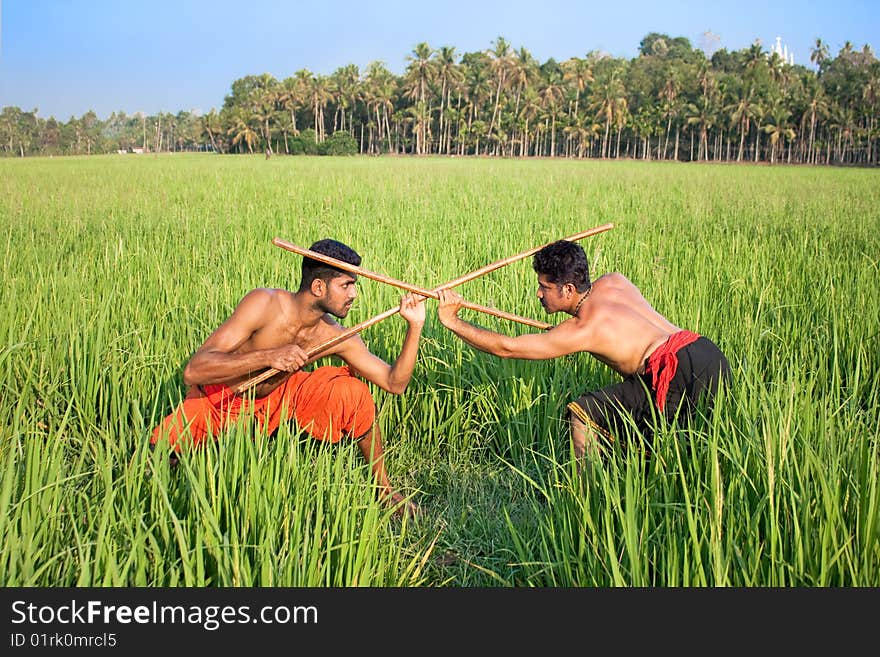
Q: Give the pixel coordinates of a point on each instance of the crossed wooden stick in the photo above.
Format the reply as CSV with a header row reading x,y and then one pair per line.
x,y
315,351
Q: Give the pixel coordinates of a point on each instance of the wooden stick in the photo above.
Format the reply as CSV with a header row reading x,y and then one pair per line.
x,y
315,351
433,294
519,256
345,335
332,342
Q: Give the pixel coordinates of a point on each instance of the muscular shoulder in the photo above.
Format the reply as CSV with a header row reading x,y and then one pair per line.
x,y
348,348
330,325
613,280
264,296
259,304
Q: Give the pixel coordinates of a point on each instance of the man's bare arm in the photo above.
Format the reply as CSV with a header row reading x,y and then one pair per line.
x,y
558,341
393,378
216,361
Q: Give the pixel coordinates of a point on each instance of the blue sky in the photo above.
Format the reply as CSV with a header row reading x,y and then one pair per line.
x,y
65,57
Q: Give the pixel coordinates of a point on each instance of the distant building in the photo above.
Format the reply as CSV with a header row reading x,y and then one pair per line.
x,y
709,43
782,51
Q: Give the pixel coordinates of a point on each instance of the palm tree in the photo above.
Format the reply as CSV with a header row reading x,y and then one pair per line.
x,y
289,97
778,127
871,96
379,86
754,57
742,111
621,116
523,71
541,127
500,65
303,79
263,108
531,108
760,113
470,84
418,76
817,104
647,121
552,94
843,120
670,104
476,132
211,125
449,74
477,90
819,54
701,114
286,99
607,99
241,131
582,132
417,115
346,80
319,94
454,117
577,73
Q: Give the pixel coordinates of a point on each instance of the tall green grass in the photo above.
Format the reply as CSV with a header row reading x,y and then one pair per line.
x,y
116,268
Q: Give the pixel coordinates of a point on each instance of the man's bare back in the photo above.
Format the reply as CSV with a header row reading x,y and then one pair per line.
x,y
618,325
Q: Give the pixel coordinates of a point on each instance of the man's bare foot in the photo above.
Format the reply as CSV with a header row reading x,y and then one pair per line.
x,y
403,507
173,459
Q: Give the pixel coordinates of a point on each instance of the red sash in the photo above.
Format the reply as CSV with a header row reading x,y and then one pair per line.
x,y
663,363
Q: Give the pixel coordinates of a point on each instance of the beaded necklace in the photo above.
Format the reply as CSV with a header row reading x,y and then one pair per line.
x,y
583,298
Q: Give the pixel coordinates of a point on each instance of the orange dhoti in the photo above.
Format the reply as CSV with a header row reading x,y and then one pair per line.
x,y
328,403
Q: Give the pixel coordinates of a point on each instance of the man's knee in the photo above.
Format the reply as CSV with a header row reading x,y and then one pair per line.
x,y
584,412
356,393
188,423
588,420
355,399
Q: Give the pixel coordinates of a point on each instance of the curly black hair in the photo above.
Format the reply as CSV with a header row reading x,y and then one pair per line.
x,y
564,262
312,269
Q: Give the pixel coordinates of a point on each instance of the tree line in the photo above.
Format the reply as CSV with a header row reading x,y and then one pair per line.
x,y
670,102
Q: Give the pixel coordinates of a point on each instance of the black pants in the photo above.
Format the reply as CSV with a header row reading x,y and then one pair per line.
x,y
701,367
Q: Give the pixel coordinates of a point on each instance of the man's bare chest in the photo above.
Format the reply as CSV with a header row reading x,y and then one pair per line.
x,y
279,334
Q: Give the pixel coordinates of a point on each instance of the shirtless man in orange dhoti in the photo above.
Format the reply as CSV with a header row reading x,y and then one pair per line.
x,y
274,328
665,370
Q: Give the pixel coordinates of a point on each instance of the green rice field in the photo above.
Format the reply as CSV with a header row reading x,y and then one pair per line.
x,y
116,268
